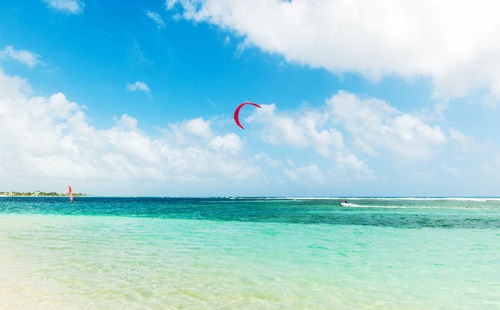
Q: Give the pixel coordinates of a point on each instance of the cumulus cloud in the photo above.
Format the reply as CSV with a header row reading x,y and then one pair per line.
x,y
304,129
156,18
312,128
138,85
305,174
228,143
267,159
67,6
199,127
376,125
453,43
186,132
49,137
198,131
25,57
373,126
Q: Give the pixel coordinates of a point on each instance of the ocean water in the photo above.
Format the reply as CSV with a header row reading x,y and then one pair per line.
x,y
175,253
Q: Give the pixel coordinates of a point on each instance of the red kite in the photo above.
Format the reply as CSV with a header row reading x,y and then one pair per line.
x,y
238,111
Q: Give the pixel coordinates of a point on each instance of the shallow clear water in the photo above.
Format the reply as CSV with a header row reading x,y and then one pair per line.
x,y
165,253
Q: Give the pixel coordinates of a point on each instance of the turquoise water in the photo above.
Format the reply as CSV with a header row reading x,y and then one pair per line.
x,y
165,253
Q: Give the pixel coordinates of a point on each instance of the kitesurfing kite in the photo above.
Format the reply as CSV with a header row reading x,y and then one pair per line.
x,y
238,111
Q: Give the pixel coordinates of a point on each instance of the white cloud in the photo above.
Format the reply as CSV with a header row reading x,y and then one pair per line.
x,y
304,129
348,162
451,42
311,128
376,125
25,57
267,159
138,85
305,174
67,6
187,132
373,125
156,18
49,138
228,143
199,127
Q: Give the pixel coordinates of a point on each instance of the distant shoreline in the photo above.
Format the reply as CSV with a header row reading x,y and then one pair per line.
x,y
39,194
44,196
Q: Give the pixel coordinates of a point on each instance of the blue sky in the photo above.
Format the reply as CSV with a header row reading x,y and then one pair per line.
x,y
137,97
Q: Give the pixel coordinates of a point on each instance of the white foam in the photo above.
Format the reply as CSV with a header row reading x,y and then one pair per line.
x,y
479,199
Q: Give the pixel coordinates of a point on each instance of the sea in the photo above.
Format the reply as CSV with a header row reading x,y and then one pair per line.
x,y
249,253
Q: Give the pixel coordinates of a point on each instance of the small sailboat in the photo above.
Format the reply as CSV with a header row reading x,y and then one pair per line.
x,y
71,199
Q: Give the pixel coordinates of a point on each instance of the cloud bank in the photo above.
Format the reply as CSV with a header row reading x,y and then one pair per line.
x,y
49,140
50,137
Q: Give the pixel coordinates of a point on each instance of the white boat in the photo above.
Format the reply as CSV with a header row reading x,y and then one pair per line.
x,y
347,204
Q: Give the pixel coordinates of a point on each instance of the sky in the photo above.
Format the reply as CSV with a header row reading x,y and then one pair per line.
x,y
358,98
